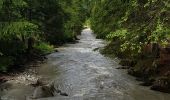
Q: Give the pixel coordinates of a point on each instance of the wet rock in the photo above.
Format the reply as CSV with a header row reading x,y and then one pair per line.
x,y
124,62
139,79
58,91
147,83
63,94
123,67
3,80
39,82
76,38
167,74
49,90
162,84
56,50
127,62
143,68
133,72
5,86
44,91
101,85
96,49
45,57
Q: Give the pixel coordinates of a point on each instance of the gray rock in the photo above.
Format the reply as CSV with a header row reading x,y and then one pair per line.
x,y
44,91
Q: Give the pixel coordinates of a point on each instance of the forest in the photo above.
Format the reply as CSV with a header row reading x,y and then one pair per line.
x,y
137,32
30,28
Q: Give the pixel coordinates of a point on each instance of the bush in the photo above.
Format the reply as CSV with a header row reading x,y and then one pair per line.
x,y
44,48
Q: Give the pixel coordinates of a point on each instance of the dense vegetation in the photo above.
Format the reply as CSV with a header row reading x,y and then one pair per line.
x,y
31,27
138,32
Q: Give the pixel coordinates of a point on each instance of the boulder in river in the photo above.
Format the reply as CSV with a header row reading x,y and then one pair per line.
x,y
49,90
44,91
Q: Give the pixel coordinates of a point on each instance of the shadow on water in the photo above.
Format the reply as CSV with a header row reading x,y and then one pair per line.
x,y
84,74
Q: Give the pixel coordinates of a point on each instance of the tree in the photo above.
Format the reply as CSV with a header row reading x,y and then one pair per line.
x,y
30,25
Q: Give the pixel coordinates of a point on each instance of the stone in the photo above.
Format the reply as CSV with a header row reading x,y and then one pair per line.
x,y
127,62
63,94
44,91
56,50
39,82
147,83
162,84
123,67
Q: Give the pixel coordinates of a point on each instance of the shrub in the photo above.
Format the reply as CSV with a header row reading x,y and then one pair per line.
x,y
44,48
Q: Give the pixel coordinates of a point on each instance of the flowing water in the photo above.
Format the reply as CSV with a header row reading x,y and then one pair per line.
x,y
85,74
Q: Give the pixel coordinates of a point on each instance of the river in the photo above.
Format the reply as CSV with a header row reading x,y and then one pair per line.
x,y
85,74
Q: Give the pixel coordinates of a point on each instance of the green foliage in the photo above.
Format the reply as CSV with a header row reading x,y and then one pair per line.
x,y
18,30
134,23
160,34
87,23
44,48
120,34
26,24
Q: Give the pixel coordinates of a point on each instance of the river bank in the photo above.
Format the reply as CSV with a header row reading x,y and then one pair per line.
x,y
149,69
29,62
22,81
21,74
25,78
21,68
